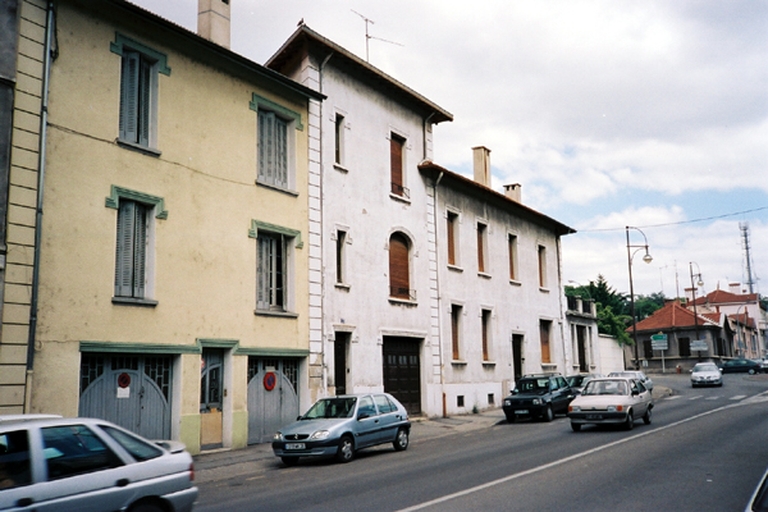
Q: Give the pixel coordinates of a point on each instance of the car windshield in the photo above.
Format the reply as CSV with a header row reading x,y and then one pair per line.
x,y
331,408
605,387
533,385
710,367
576,380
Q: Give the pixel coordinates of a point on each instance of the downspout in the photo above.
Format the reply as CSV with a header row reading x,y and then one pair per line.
x,y
322,224
39,212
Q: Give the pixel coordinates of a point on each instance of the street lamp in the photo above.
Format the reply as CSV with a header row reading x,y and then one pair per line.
x,y
700,282
646,258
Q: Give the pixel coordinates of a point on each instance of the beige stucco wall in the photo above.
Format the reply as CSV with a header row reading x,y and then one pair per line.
x,y
204,259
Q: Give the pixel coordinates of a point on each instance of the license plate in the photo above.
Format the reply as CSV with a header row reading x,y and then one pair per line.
x,y
521,411
594,416
294,446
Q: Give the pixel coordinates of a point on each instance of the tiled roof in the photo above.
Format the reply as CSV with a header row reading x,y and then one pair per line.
x,y
673,315
744,319
724,297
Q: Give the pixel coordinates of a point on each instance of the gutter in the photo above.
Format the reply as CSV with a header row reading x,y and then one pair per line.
x,y
33,307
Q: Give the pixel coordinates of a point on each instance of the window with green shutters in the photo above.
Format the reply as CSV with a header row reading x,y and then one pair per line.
x,y
131,253
271,272
273,149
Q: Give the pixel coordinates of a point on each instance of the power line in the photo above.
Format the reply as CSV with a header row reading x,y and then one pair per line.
x,y
678,223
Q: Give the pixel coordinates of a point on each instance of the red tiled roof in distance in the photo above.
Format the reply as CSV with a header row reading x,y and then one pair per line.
x,y
673,315
724,297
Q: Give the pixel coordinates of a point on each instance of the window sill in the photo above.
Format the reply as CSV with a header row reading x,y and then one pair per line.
x,y
489,364
129,301
402,302
340,168
458,362
281,314
484,275
455,268
401,199
514,282
138,147
543,289
276,188
343,286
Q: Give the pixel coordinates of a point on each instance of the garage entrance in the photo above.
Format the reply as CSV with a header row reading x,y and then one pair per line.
x,y
402,371
273,398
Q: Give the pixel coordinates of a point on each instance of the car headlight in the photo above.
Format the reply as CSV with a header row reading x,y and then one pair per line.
x,y
320,435
615,408
575,408
536,401
507,402
278,436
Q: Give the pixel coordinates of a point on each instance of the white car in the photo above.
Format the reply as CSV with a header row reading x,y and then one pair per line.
x,y
50,463
634,374
611,400
706,374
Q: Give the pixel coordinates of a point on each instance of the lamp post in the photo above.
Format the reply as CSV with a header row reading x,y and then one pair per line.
x,y
646,258
740,334
693,294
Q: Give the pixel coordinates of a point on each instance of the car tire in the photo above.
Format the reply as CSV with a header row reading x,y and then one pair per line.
x,y
751,371
575,426
346,451
401,440
510,417
290,461
548,414
629,424
647,416
146,507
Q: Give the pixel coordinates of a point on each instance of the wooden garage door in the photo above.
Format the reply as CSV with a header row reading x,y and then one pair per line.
x,y
402,376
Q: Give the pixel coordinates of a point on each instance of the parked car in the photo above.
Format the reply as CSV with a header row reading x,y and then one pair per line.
x,y
706,374
50,463
577,382
340,426
611,400
758,502
764,365
741,366
538,396
634,374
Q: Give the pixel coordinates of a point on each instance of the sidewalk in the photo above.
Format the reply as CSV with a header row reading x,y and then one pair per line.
x,y
255,459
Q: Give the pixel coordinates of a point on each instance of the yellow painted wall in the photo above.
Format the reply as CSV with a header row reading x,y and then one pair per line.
x,y
205,262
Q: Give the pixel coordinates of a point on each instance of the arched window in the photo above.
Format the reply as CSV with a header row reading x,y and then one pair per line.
x,y
399,274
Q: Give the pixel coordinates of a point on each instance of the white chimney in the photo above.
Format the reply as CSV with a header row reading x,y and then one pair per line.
x,y
213,21
735,288
514,192
481,159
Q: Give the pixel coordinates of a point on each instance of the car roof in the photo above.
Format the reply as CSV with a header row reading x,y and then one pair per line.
x,y
6,419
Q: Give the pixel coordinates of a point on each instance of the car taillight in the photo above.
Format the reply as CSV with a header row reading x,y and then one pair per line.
x,y
191,472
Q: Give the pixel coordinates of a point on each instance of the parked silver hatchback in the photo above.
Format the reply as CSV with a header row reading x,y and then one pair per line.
x,y
50,463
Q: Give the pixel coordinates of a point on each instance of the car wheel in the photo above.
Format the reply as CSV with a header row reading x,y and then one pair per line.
x,y
548,414
751,371
146,507
630,423
510,417
647,416
346,450
401,441
575,426
290,461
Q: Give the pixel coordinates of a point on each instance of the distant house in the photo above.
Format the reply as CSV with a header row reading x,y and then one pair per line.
x,y
591,351
682,329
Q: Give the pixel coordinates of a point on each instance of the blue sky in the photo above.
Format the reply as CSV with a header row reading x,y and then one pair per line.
x,y
609,113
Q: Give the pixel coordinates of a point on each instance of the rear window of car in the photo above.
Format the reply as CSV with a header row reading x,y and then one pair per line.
x,y
75,449
14,460
138,448
384,404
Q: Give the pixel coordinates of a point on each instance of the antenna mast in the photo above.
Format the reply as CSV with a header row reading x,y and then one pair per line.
x,y
368,37
744,227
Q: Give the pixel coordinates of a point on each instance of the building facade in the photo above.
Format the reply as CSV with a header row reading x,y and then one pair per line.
x,y
159,211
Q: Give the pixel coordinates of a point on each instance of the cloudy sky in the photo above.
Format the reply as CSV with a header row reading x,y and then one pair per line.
x,y
610,113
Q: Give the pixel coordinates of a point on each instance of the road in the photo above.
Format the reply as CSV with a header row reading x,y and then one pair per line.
x,y
704,451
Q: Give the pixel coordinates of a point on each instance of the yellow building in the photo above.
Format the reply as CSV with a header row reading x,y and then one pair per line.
x,y
164,282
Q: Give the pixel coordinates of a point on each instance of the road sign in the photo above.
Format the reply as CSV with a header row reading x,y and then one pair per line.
x,y
659,342
700,345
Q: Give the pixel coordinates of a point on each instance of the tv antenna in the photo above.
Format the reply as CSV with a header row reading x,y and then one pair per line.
x,y
368,37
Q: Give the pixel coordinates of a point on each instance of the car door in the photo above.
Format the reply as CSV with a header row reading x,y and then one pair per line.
x,y
640,397
368,423
562,395
389,418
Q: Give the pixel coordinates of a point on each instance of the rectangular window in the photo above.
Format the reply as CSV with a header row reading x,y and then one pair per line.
x,y
482,231
542,266
339,140
455,330
486,333
683,347
131,253
272,271
137,91
341,240
512,245
545,327
396,154
273,149
452,221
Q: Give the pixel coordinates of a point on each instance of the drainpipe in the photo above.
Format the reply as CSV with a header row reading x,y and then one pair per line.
x,y
39,212
322,225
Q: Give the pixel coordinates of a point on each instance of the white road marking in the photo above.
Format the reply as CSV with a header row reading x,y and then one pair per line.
x,y
759,397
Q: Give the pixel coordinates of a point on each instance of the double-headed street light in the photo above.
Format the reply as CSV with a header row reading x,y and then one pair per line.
x,y
646,258
699,282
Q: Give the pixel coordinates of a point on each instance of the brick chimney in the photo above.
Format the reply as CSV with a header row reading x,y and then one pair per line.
x,y
213,21
514,192
481,159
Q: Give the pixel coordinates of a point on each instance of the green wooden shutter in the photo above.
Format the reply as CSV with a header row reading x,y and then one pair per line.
x,y
129,87
144,100
130,259
139,250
